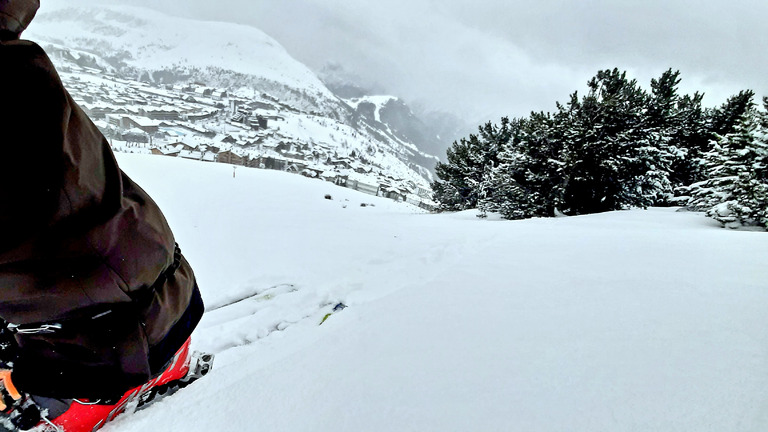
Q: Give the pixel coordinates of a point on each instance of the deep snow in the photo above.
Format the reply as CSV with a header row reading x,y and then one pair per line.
x,y
627,321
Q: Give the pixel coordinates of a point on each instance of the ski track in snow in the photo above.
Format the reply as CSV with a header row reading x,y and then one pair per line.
x,y
258,295
257,314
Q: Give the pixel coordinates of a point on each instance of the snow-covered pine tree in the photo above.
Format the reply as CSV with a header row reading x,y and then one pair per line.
x,y
546,150
750,206
723,120
611,159
500,190
691,139
616,147
452,191
662,121
463,179
736,191
504,192
527,181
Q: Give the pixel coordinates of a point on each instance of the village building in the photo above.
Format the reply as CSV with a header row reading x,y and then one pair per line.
x,y
181,145
161,113
363,184
225,139
273,163
257,122
201,115
341,163
312,172
166,151
125,122
393,192
329,176
134,136
203,91
295,166
100,110
197,129
191,154
254,105
233,158
425,204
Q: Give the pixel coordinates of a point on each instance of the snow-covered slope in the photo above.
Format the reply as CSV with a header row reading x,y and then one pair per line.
x,y
374,103
396,121
141,50
432,131
148,40
626,321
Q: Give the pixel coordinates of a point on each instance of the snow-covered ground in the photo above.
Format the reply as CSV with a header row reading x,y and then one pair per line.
x,y
629,321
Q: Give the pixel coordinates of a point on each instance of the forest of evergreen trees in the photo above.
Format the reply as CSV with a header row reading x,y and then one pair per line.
x,y
616,147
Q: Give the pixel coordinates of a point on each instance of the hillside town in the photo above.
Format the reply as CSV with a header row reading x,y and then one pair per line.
x,y
194,121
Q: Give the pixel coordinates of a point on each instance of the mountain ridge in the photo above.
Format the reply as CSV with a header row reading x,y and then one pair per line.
x,y
160,50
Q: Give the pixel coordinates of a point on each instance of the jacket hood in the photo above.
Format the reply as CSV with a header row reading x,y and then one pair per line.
x,y
15,15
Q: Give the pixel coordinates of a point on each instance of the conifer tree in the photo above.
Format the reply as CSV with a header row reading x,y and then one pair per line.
x,y
462,180
610,156
723,120
527,180
616,147
662,121
736,191
452,191
691,137
662,109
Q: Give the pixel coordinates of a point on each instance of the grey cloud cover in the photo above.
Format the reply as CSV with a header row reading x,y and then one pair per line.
x,y
491,58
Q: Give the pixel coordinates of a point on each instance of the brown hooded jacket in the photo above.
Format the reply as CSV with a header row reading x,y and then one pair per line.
x,y
15,15
84,252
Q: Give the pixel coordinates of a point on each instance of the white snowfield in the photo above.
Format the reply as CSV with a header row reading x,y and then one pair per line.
x,y
629,321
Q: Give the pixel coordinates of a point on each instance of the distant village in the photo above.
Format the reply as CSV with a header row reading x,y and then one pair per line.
x,y
207,124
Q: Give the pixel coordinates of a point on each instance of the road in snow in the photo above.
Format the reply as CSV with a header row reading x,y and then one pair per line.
x,y
625,321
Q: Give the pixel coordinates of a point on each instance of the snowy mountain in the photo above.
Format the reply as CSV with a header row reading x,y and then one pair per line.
x,y
625,321
137,50
168,48
433,132
396,121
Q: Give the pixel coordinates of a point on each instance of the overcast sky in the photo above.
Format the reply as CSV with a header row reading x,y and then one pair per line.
x,y
488,58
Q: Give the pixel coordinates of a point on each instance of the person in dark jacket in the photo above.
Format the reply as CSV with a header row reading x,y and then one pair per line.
x,y
94,288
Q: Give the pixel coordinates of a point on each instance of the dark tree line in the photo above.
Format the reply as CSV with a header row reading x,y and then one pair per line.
x,y
618,146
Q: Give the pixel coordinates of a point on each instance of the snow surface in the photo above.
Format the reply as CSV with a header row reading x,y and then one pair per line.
x,y
627,321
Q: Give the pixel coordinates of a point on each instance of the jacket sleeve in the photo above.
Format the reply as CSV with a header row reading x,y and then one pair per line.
x,y
33,113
